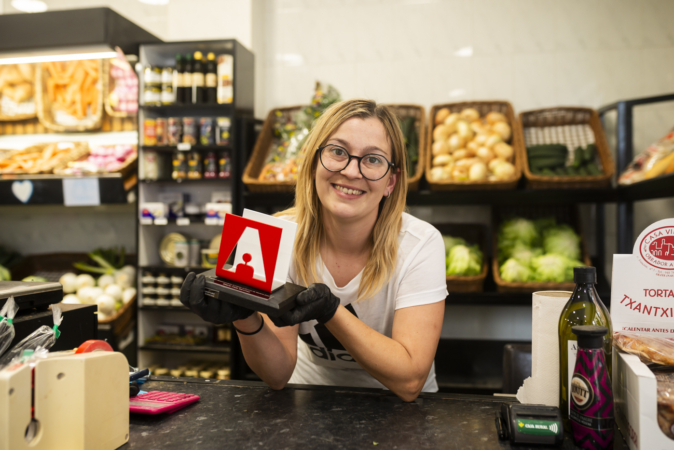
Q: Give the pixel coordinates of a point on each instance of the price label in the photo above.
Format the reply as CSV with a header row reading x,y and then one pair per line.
x,y
211,221
182,221
161,221
146,221
184,147
81,192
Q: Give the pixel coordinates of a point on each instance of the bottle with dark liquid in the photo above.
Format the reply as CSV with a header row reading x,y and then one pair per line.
x,y
187,79
583,308
198,82
211,79
591,413
178,82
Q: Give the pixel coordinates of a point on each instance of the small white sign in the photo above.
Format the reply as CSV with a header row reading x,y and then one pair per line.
x,y
211,221
81,192
161,221
146,221
182,221
184,147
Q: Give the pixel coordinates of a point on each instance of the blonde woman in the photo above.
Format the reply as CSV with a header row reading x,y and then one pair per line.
x,y
373,311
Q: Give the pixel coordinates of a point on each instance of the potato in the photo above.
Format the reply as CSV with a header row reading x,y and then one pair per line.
x,y
440,148
481,138
470,114
459,173
494,163
504,151
463,129
478,127
494,117
493,139
460,154
440,133
437,173
442,160
441,115
466,162
472,146
451,120
503,129
455,142
485,154
504,171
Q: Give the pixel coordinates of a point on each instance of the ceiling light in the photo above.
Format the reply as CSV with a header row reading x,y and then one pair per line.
x,y
29,6
154,2
464,52
61,54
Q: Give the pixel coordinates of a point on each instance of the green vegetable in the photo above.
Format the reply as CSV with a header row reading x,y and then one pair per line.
x,y
409,129
451,241
525,254
562,240
571,171
547,172
35,278
589,153
515,272
578,157
560,171
547,161
108,260
516,230
583,171
554,267
547,150
464,260
4,274
593,169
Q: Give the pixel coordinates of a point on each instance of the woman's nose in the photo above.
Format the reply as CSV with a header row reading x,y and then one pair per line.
x,y
352,170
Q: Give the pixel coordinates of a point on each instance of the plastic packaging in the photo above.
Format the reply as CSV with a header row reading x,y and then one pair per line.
x,y
650,349
657,159
44,337
666,408
7,331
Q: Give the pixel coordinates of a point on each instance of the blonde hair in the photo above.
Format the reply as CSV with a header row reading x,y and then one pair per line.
x,y
307,209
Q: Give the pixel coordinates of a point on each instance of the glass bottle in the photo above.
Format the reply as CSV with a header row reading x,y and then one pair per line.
x,y
178,83
211,79
583,308
198,82
187,79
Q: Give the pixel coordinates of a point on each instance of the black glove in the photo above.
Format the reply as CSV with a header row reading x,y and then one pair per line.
x,y
209,309
316,303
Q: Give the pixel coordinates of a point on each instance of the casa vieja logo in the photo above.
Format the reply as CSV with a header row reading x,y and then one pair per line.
x,y
656,250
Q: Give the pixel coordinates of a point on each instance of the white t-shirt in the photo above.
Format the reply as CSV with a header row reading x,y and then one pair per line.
x,y
419,279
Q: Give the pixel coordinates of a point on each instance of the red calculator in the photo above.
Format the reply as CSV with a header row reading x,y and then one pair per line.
x,y
157,402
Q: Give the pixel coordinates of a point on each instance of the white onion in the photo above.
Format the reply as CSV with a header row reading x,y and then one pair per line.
x,y
105,280
85,280
128,295
114,291
122,279
130,270
71,299
106,304
83,294
69,282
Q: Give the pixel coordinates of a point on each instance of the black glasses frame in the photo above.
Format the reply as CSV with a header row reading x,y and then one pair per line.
x,y
358,158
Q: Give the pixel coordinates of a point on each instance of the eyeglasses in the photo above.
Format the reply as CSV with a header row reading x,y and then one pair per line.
x,y
372,166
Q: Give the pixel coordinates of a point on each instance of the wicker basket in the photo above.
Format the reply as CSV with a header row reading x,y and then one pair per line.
x,y
483,107
79,150
125,169
4,117
265,140
570,126
473,234
44,105
564,215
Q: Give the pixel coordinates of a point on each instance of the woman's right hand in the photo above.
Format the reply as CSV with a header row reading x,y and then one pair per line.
x,y
209,309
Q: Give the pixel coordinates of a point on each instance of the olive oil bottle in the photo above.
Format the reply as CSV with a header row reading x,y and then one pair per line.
x,y
583,308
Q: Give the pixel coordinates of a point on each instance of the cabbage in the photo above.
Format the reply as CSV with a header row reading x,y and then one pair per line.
x,y
554,267
514,271
513,231
451,241
524,254
562,240
464,260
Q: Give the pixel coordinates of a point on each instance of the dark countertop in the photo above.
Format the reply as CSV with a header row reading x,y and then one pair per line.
x,y
250,415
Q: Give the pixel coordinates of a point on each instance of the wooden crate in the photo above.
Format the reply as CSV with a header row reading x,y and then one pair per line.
x,y
265,140
570,126
564,215
473,234
483,107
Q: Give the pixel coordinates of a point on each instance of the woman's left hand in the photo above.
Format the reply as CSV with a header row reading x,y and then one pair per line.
x,y
316,303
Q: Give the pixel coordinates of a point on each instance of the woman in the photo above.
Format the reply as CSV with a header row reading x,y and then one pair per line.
x,y
373,311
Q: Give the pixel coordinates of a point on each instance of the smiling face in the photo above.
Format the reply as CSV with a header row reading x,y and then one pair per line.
x,y
347,195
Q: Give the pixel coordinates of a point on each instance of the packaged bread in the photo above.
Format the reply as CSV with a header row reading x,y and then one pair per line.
x,y
666,408
650,349
17,90
657,159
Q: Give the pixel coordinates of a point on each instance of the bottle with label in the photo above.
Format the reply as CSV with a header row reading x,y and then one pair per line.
x,y
167,93
583,308
178,85
152,86
591,413
179,165
225,78
211,80
211,166
187,79
198,82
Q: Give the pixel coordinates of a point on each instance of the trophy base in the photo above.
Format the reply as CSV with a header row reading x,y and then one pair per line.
x,y
274,304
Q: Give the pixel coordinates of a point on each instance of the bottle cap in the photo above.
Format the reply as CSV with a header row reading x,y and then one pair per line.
x,y
188,57
211,56
178,57
590,336
197,55
584,275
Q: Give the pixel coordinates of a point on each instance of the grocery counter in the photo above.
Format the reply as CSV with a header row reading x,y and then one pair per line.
x,y
246,415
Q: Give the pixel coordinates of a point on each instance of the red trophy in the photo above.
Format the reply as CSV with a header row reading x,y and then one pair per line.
x,y
257,277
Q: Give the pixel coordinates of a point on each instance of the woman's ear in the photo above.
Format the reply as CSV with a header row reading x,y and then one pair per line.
x,y
392,182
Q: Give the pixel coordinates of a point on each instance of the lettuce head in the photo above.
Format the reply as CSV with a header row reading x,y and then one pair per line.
x,y
562,240
451,241
515,272
554,267
464,261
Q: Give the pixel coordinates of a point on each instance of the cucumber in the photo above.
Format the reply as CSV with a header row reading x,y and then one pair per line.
x,y
560,171
542,162
589,153
571,171
578,157
547,173
592,169
547,150
583,171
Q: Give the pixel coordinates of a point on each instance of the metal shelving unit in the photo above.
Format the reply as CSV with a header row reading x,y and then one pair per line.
x,y
240,112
